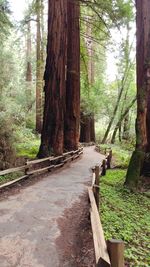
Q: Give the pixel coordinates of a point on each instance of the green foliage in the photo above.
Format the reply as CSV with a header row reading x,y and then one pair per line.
x,y
27,143
126,216
5,22
10,177
7,151
121,156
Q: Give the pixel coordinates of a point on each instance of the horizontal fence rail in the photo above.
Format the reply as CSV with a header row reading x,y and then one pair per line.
x,y
107,253
41,165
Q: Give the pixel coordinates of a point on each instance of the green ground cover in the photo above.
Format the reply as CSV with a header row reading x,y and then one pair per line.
x,y
121,154
27,144
126,216
9,177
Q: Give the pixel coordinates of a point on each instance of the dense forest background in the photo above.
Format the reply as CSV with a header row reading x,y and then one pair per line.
x,y
108,105
107,99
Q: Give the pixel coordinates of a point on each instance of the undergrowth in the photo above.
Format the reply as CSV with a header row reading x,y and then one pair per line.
x,y
126,216
28,143
121,155
9,177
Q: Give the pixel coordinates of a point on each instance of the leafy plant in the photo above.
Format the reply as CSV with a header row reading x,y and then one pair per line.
x,y
126,216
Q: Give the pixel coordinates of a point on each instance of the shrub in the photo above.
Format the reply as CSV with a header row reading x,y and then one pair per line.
x,y
7,150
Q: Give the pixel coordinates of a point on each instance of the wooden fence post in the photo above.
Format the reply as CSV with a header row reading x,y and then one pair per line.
x,y
116,252
26,167
97,174
103,173
109,158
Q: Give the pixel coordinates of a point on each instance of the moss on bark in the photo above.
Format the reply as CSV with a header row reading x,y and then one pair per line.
x,y
134,169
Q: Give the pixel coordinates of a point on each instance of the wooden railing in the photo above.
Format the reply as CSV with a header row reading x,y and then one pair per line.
x,y
41,165
110,253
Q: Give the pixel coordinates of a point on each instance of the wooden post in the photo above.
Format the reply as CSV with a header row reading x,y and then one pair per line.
x,y
110,155
108,162
27,167
103,173
97,174
116,252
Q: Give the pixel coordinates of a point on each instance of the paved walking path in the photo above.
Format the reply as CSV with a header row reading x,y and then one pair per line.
x,y
29,219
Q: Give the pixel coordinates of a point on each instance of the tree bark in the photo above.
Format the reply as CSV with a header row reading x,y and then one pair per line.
x,y
92,128
113,116
85,128
126,127
52,139
29,67
135,168
72,112
89,136
39,82
120,121
148,123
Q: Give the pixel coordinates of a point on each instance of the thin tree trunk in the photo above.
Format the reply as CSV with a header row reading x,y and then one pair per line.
x,y
120,120
52,139
135,168
128,65
113,116
92,128
91,78
72,113
126,127
120,133
39,82
29,67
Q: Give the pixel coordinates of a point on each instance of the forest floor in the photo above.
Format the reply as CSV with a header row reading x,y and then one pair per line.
x,y
44,222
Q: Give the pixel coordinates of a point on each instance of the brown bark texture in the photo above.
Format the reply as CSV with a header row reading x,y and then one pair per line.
x,y
39,73
136,166
143,70
29,67
92,128
72,112
52,139
85,128
126,128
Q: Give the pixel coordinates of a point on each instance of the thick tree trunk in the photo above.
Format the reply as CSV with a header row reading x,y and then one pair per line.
x,y
135,168
72,113
85,128
52,139
148,123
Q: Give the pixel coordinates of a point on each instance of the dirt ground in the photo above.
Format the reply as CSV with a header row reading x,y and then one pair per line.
x,y
44,222
76,238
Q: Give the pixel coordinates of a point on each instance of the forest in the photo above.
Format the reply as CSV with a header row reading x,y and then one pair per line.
x,y
76,73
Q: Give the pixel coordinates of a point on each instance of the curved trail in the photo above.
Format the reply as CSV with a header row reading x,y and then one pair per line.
x,y
29,227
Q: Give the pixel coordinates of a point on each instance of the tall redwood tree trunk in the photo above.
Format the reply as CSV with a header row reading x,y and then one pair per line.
x,y
72,113
135,168
85,128
52,139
